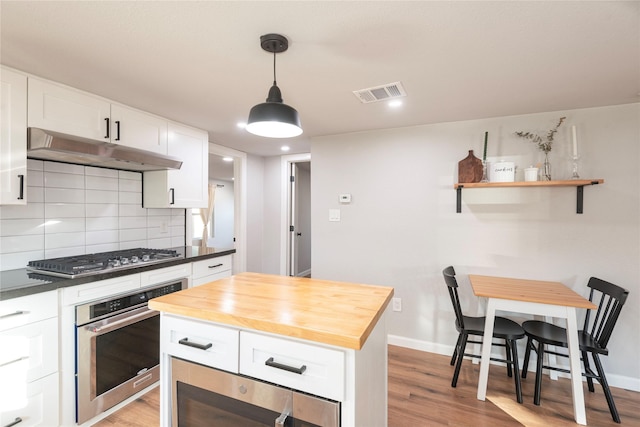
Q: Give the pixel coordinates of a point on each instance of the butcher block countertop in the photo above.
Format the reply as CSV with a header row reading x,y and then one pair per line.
x,y
329,312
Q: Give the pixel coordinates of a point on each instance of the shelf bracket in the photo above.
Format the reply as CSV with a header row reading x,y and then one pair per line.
x,y
580,197
459,199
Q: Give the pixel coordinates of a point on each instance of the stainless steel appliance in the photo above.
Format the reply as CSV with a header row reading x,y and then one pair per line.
x,y
117,348
86,265
206,396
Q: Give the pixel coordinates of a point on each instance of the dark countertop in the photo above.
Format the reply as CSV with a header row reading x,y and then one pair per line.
x,y
19,283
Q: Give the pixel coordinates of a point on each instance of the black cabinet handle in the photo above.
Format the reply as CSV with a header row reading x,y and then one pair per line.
x,y
21,178
185,341
288,368
117,130
108,127
173,196
216,266
17,421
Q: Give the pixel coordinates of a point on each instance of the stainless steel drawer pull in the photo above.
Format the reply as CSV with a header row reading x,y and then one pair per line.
x,y
288,368
216,266
17,421
185,341
17,313
19,359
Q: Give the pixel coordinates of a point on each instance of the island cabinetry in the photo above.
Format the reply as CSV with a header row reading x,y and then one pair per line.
x,y
13,138
67,110
212,269
188,186
200,342
302,366
29,360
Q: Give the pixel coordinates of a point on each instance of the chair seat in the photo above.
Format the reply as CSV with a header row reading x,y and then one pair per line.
x,y
550,334
503,328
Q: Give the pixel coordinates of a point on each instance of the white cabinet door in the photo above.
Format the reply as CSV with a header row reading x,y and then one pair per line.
x,y
133,128
187,187
63,109
13,138
35,405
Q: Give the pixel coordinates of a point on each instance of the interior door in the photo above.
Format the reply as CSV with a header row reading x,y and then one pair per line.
x,y
299,261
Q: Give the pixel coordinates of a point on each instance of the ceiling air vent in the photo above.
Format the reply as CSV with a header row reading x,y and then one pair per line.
x,y
380,93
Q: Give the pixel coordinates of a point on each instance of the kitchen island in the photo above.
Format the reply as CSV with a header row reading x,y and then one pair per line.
x,y
335,332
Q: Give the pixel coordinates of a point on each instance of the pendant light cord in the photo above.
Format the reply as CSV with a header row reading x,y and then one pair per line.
x,y
274,68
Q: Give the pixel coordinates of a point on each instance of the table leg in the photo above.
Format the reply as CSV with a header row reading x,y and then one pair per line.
x,y
486,349
574,365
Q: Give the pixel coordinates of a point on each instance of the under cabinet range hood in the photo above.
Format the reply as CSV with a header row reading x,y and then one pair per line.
x,y
48,145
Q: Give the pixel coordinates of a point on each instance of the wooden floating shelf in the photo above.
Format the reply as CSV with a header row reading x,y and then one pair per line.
x,y
578,183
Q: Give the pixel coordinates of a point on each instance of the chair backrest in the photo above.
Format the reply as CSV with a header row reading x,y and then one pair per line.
x,y
609,298
449,274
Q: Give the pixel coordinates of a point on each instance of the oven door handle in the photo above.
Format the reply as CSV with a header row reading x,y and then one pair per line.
x,y
107,327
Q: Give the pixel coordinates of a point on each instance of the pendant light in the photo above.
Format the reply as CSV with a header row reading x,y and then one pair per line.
x,y
274,119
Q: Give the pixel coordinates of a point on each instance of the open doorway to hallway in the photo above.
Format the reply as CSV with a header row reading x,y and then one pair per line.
x,y
297,232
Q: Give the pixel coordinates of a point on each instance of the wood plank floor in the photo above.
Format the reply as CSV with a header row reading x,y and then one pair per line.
x,y
420,395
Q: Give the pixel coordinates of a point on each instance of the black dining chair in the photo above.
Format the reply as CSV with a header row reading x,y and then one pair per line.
x,y
504,329
592,339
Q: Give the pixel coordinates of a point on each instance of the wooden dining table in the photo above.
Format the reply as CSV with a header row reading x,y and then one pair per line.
x,y
535,297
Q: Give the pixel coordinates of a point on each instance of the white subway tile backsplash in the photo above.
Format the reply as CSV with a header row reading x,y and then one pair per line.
x,y
29,242
63,240
75,210
101,196
63,180
100,183
101,237
104,223
63,225
64,195
63,210
64,168
21,227
101,210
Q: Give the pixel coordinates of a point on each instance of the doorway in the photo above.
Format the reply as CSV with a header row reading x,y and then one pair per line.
x,y
297,215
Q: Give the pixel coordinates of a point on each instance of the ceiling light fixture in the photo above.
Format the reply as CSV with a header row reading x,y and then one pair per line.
x,y
274,119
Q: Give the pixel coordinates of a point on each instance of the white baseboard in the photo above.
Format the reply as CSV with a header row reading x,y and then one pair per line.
x,y
619,381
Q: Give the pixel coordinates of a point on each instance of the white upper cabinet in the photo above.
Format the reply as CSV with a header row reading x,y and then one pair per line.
x,y
63,109
187,187
13,138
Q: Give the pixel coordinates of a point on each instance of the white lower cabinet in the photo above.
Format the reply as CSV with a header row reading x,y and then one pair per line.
x,y
29,360
210,270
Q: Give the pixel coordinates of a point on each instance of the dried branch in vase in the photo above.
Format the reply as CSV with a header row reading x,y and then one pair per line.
x,y
544,144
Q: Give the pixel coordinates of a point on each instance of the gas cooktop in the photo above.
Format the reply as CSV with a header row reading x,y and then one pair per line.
x,y
103,262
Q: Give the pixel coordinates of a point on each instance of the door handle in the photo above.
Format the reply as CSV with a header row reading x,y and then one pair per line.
x,y
21,178
17,313
216,266
185,341
117,130
17,421
173,196
299,371
281,420
108,127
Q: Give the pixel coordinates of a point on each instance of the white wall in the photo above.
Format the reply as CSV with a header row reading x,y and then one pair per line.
x,y
401,228
255,212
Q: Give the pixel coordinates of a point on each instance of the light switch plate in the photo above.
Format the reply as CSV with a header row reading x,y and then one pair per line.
x,y
334,214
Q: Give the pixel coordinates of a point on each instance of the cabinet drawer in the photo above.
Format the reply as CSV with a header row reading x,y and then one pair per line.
x,y
36,404
103,288
29,352
161,275
323,369
211,266
211,278
32,308
220,344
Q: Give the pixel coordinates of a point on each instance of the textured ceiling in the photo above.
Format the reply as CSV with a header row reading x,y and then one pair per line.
x,y
200,63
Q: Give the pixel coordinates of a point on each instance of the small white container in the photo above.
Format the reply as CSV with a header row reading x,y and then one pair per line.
x,y
531,174
503,172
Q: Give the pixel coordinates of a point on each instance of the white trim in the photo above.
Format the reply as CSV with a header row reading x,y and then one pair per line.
x,y
285,161
240,201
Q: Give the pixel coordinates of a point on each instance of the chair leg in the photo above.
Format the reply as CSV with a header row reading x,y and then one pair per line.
x,y
516,370
507,346
525,363
455,350
587,368
538,388
605,388
456,372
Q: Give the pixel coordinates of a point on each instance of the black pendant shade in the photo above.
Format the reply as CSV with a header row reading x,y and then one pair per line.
x,y
274,118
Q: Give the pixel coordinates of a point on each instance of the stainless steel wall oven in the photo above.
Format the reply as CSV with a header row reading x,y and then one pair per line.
x,y
117,348
205,396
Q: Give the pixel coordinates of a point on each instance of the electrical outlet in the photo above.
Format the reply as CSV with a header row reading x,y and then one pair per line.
x,y
397,304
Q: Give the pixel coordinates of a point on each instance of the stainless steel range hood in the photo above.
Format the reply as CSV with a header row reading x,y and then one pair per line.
x,y
47,145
